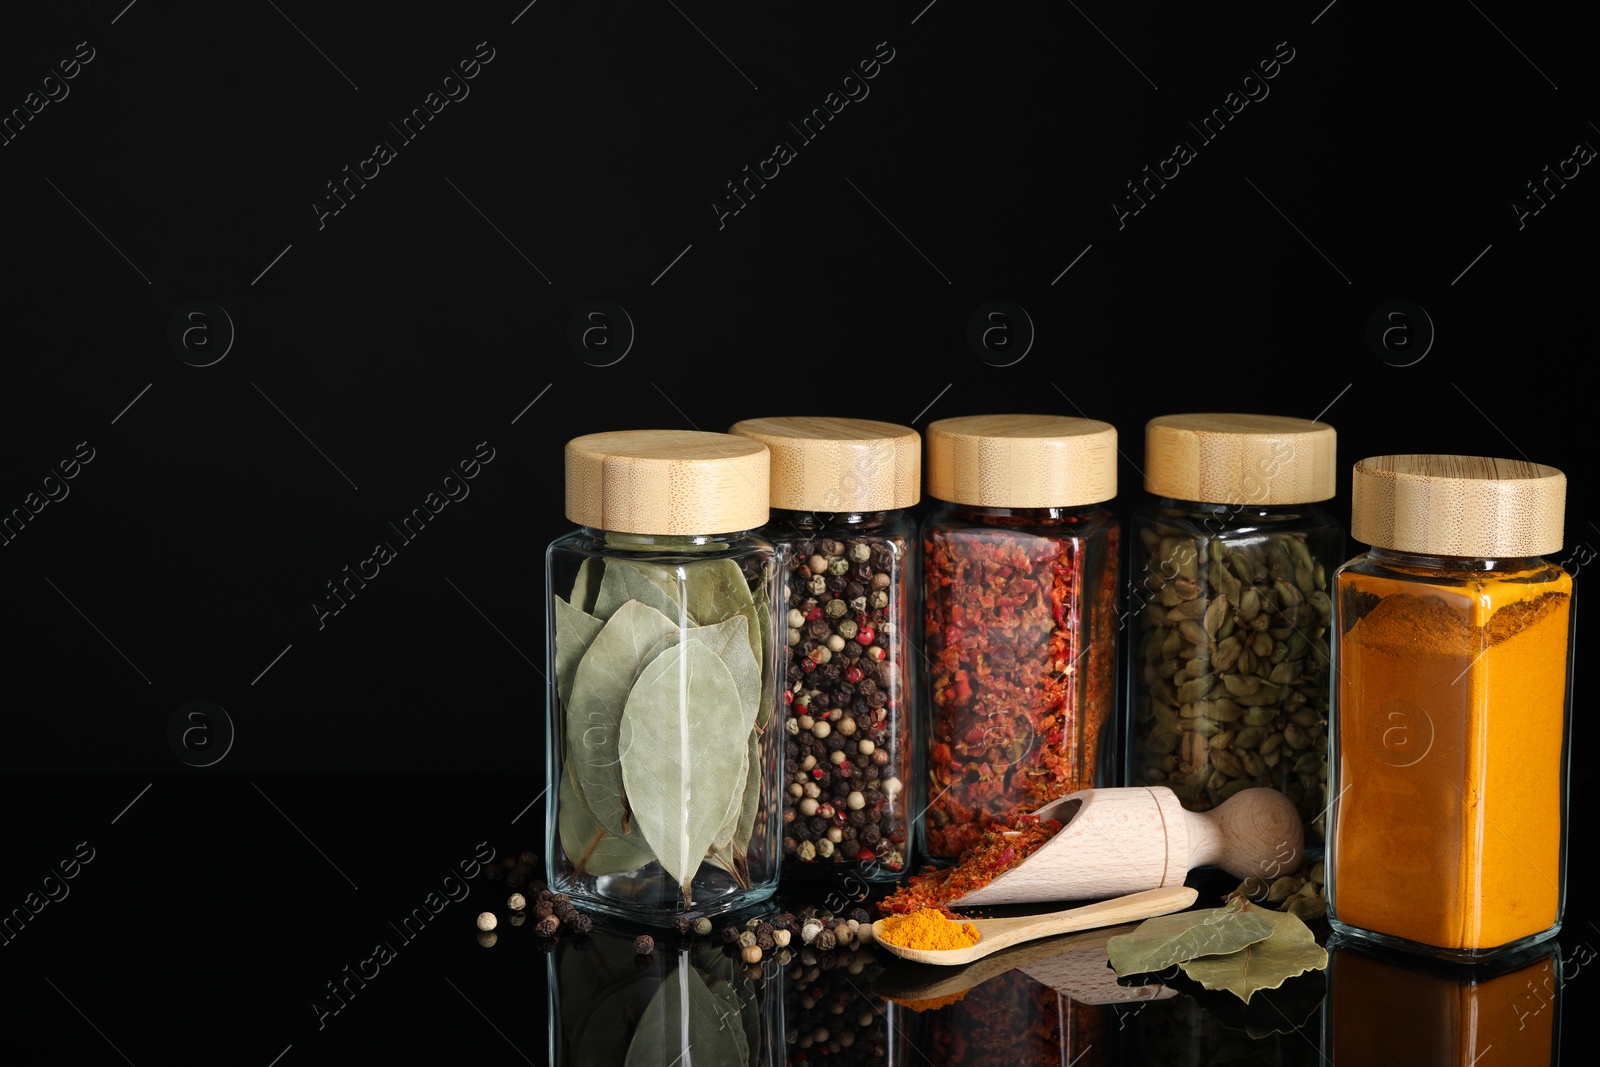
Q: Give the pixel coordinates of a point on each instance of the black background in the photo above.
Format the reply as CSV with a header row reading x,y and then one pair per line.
x,y
374,351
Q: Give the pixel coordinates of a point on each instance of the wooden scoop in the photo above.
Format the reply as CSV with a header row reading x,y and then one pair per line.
x,y
1115,841
996,934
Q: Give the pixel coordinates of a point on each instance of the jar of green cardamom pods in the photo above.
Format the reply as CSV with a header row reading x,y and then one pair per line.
x,y
1228,682
663,759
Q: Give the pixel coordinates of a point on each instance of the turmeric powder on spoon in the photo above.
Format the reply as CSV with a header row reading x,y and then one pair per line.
x,y
928,929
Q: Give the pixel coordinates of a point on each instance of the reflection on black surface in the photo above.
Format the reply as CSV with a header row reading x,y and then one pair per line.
x,y
1389,1009
1277,1028
832,1015
611,1008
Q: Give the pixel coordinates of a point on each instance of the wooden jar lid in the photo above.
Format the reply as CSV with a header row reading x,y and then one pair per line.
x,y
1458,506
823,464
1240,459
668,482
1022,461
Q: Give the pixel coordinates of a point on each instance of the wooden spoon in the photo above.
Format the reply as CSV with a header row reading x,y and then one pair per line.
x,y
1073,965
996,934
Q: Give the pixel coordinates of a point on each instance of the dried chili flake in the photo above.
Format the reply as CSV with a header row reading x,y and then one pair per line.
x,y
1020,660
1004,844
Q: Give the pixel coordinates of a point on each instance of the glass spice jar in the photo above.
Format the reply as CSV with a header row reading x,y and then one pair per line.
x,y
1019,580
1452,708
662,766
1228,670
840,493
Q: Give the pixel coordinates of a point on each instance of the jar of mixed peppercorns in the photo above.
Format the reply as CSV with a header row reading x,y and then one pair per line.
x,y
840,490
1020,569
663,754
1228,597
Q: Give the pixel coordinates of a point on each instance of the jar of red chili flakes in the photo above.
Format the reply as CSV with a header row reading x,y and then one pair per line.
x,y
840,490
1020,567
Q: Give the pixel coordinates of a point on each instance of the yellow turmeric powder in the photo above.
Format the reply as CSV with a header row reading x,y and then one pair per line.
x,y
1451,720
928,929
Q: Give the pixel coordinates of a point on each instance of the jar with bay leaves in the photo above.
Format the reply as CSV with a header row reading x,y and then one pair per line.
x,y
840,493
1020,583
663,765
1228,672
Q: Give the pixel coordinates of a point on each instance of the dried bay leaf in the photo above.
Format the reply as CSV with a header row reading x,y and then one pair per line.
x,y
684,1021
590,847
599,692
625,580
751,800
730,820
730,640
575,632
1167,939
763,631
1290,950
682,748
716,590
586,587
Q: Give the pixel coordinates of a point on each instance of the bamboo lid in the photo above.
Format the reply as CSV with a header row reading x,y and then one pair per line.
x,y
1240,459
1458,506
667,482
823,464
1022,461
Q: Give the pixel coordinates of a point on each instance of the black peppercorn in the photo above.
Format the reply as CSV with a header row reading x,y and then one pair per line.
x,y
581,923
730,934
683,924
529,858
643,945
494,872
543,908
547,926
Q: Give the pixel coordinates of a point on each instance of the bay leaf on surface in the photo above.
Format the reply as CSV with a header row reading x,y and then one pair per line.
x,y
625,580
682,745
591,848
1291,950
1167,939
684,1022
586,587
599,692
575,632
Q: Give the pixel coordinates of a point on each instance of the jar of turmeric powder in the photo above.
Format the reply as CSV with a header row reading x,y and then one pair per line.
x,y
1448,829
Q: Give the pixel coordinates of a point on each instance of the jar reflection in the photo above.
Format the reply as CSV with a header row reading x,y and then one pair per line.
x,y
1391,1009
609,1007
1012,1020
833,1016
